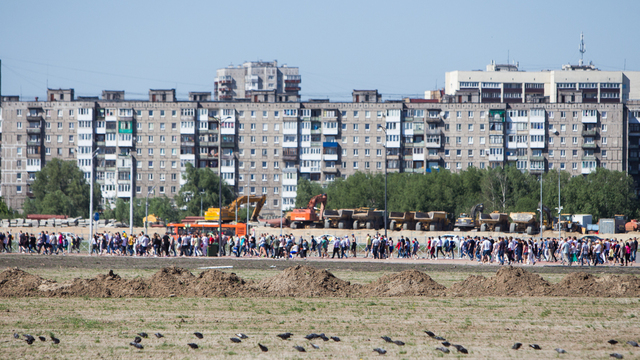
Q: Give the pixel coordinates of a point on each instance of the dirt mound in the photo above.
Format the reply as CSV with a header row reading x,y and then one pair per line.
x,y
306,281
406,283
170,280
583,284
215,283
509,281
102,286
15,282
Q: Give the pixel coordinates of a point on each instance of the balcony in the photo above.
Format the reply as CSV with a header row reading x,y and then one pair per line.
x,y
590,145
34,142
330,157
589,158
208,156
34,130
189,143
589,132
436,131
228,143
34,117
207,143
291,88
536,158
419,131
100,143
431,145
433,120
536,171
315,132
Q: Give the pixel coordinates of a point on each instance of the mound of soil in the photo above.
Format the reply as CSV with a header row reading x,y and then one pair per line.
x,y
306,281
509,281
215,283
170,280
583,284
406,283
15,282
102,286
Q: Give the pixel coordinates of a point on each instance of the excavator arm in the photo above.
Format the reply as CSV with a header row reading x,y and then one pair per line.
x,y
479,208
547,212
322,200
259,204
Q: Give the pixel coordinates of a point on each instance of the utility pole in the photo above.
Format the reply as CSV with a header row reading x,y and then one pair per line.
x,y
386,173
93,155
146,211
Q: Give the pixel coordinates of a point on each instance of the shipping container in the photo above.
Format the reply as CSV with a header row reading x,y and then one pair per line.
x,y
584,220
607,226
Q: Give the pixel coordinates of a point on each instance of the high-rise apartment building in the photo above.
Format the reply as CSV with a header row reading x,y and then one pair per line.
x,y
260,81
575,119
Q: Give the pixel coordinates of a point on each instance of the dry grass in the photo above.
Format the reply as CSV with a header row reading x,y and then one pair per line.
x,y
102,328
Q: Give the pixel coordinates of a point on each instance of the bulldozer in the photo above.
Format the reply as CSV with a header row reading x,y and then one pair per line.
x,y
229,212
468,222
308,217
431,221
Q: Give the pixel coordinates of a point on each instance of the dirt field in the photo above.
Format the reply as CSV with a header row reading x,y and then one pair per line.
x,y
96,313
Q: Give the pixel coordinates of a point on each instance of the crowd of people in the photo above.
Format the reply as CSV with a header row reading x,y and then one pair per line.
x,y
500,250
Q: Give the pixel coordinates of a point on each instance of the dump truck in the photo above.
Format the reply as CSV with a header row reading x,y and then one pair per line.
x,y
431,221
523,222
365,218
401,220
340,219
469,222
495,221
229,212
308,217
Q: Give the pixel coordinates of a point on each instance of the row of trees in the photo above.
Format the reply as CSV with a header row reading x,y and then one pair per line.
x,y
602,193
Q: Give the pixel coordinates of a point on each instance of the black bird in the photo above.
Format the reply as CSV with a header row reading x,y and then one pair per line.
x,y
380,351
516,346
198,335
535,346
314,346
387,339
439,338
446,343
312,336
299,348
242,336
561,351
54,339
461,349
16,336
136,345
616,355
335,338
399,343
632,343
443,349
28,337
263,348
192,345
42,338
612,342
431,334
324,337
284,336
158,335
30,341
235,340
143,334
137,339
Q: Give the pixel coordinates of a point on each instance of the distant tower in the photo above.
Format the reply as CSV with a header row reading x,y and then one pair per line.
x,y
582,49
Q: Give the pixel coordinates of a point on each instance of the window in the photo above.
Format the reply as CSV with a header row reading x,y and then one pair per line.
x,y
604,141
481,127
603,153
470,140
604,127
574,166
470,114
470,126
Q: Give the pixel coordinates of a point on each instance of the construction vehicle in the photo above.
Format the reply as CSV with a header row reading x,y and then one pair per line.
x,y
495,221
528,221
567,224
365,218
401,220
340,219
431,221
308,217
229,212
468,222
631,225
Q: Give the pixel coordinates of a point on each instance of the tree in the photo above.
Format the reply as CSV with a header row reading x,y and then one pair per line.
x,y
61,189
306,190
5,212
198,180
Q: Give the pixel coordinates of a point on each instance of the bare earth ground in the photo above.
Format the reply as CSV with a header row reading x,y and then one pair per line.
x,y
93,327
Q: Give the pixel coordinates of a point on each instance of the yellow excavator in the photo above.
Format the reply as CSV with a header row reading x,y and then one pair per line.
x,y
229,211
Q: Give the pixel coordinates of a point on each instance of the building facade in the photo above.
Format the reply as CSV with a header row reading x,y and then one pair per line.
x,y
260,81
267,146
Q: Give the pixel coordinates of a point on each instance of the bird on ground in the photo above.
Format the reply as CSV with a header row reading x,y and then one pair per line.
x,y
314,346
617,356
235,340
560,351
143,334
335,338
439,338
387,339
158,335
193,345
632,343
137,339
198,335
612,342
16,336
28,337
461,349
30,341
446,343
299,348
516,346
42,338
263,348
136,345
535,346
399,343
242,336
54,339
380,351
312,336
431,334
324,337
443,349
285,336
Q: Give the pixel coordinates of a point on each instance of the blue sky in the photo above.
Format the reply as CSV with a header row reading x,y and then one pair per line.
x,y
400,48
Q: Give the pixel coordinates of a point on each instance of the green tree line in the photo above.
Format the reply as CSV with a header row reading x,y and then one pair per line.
x,y
602,193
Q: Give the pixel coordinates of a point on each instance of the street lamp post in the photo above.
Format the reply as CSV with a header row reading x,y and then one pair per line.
x,y
93,155
146,211
541,207
385,177
220,121
202,192
133,160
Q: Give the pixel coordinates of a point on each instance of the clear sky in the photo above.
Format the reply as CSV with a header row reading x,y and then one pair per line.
x,y
401,48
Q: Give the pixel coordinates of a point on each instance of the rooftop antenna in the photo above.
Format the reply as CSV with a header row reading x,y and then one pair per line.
x,y
582,49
